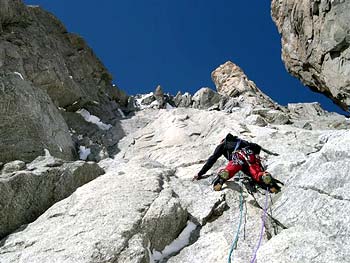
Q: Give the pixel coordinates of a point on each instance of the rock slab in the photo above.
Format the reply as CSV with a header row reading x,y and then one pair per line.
x,y
26,194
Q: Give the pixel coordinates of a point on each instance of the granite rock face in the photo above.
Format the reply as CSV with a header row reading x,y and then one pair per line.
x,y
316,44
230,80
205,98
139,208
320,206
109,221
39,47
30,123
35,46
26,192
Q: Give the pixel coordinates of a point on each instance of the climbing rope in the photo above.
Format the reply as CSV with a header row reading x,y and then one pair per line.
x,y
262,226
234,243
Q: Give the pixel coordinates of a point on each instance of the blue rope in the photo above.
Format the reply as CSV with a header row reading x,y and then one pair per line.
x,y
234,243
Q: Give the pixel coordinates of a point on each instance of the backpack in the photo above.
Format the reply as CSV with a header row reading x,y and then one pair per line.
x,y
232,143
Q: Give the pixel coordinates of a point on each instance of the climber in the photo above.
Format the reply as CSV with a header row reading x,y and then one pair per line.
x,y
242,156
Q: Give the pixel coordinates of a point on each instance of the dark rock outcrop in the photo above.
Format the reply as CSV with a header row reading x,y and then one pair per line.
x,y
316,44
30,122
183,100
159,95
205,98
41,49
37,47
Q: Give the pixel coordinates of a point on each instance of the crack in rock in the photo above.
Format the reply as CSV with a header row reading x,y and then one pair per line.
x,y
322,192
190,163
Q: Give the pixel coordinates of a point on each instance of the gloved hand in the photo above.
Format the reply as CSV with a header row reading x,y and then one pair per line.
x,y
196,177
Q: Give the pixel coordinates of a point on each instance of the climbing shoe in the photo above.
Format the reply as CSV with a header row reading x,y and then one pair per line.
x,y
217,187
218,183
274,190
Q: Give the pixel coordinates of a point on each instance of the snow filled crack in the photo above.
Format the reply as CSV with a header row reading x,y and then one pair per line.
x,y
182,241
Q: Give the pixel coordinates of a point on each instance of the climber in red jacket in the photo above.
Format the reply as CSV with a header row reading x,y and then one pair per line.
x,y
243,156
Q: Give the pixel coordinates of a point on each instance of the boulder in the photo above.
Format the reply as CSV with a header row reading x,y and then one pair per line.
x,y
316,45
159,95
26,194
228,104
165,215
30,123
272,116
306,110
277,117
256,120
205,98
13,166
183,100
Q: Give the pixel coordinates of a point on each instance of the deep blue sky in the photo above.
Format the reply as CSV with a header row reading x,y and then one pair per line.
x,y
178,43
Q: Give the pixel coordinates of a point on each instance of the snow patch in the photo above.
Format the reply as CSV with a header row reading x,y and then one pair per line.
x,y
121,113
179,243
169,107
154,104
84,152
47,153
18,74
139,101
93,119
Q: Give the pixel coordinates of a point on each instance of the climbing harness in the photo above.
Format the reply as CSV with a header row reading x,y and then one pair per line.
x,y
234,243
263,221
